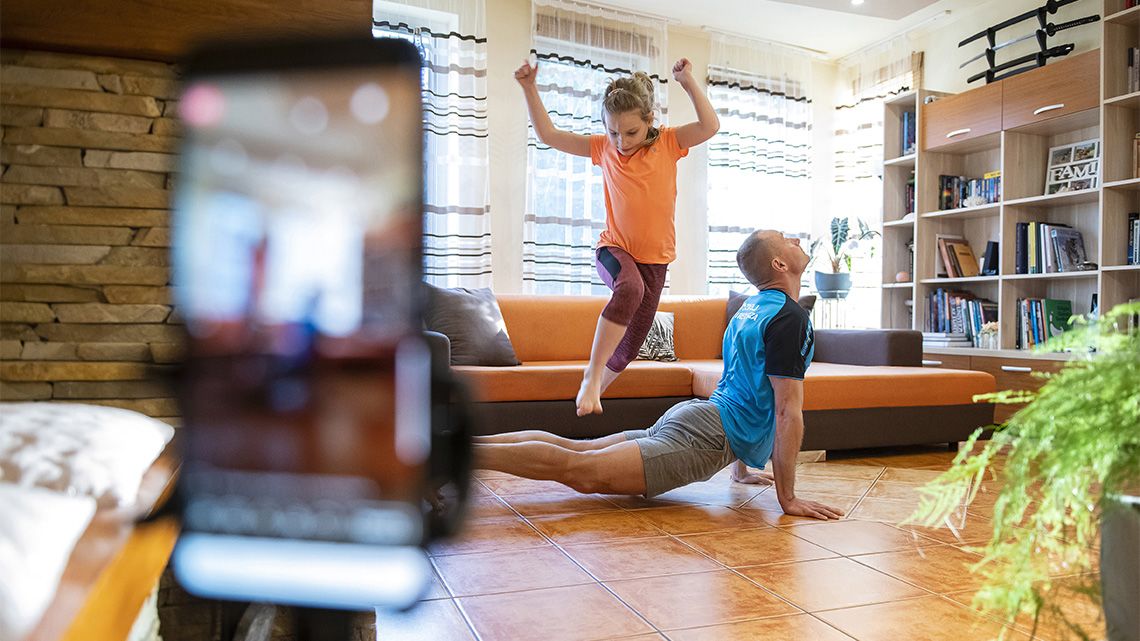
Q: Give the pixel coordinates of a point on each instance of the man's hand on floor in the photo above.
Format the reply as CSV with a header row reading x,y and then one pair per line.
x,y
811,509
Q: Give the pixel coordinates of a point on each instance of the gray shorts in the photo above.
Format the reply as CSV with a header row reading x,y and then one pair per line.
x,y
687,444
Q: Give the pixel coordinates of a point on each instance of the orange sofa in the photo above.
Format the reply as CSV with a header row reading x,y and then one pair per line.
x,y
865,388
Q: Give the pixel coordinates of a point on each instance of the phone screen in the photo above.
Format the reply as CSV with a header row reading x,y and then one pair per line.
x,y
297,265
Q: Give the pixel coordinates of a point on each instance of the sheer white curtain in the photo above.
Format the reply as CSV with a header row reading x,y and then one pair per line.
x,y
759,164
451,37
866,80
579,47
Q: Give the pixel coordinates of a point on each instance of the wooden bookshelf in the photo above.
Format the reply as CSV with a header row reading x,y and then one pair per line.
x,y
1095,106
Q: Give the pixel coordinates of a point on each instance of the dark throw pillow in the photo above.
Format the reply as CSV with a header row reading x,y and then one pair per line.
x,y
658,345
472,321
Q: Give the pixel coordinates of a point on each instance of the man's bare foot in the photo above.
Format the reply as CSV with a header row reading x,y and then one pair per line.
x,y
589,399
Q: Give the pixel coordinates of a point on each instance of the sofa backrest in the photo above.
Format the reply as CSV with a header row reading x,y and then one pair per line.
x,y
561,328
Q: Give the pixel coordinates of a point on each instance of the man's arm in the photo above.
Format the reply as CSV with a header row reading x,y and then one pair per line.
x,y
789,434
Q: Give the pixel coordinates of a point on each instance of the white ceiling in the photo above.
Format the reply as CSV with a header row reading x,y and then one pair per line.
x,y
832,27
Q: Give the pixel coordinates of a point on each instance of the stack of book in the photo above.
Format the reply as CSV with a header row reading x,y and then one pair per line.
x,y
957,258
956,192
945,339
958,312
1047,248
1133,69
909,139
1039,319
1134,238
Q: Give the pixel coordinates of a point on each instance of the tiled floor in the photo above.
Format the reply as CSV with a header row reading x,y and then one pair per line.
x,y
717,561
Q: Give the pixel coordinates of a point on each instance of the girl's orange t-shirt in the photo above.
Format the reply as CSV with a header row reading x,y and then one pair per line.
x,y
641,196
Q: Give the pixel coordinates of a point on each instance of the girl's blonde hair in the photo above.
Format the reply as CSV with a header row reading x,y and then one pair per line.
x,y
633,93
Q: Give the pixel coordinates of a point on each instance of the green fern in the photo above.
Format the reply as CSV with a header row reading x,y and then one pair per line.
x,y
1075,446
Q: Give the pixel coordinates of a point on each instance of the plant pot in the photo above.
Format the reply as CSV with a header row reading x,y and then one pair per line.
x,y
832,285
1120,568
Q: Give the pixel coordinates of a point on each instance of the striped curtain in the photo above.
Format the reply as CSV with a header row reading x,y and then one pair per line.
x,y
457,222
578,48
759,164
866,80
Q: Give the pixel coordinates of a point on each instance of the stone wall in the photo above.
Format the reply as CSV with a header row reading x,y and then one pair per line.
x,y
87,155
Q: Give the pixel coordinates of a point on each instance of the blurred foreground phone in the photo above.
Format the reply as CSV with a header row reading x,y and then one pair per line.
x,y
310,437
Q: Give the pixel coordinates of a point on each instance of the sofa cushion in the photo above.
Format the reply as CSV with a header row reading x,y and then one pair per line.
x,y
471,320
560,380
829,386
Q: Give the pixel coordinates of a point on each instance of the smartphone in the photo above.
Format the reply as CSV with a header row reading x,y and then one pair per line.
x,y
296,245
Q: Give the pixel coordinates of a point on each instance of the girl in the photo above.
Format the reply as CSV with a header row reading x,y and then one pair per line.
x,y
639,171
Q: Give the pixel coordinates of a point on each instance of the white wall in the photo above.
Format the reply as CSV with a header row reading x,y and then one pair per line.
x,y
508,43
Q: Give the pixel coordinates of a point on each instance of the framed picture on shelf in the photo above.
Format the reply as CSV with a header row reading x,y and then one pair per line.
x,y
1073,167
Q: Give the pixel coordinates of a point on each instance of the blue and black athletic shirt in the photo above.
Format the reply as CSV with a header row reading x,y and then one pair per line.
x,y
771,335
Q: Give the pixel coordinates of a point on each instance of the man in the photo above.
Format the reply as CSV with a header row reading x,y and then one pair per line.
x,y
756,412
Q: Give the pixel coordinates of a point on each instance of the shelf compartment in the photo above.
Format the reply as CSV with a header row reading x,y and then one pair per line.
x,y
1121,124
1127,18
979,211
1117,204
1119,286
1131,184
1025,159
1128,100
898,303
1082,216
1078,291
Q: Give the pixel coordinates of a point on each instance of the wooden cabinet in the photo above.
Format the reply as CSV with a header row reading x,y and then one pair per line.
x,y
961,117
1058,89
1009,373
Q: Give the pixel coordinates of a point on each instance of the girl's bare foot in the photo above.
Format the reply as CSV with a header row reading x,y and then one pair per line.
x,y
589,399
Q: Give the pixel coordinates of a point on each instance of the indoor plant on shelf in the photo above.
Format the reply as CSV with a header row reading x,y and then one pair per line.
x,y
840,249
1069,468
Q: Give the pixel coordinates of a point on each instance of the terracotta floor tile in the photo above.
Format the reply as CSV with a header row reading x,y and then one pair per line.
x,y
488,507
692,600
857,537
898,490
840,471
770,512
640,558
548,504
595,527
715,492
517,485
928,618
509,571
886,510
694,519
846,487
829,584
476,488
640,637
437,589
491,535
577,613
797,627
492,474
909,475
736,548
938,568
428,621
1066,607
968,529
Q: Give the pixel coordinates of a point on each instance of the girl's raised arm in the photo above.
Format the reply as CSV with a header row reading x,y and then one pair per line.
x,y
707,123
564,141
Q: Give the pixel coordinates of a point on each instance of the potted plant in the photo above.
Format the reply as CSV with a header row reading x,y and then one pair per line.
x,y
1069,467
839,250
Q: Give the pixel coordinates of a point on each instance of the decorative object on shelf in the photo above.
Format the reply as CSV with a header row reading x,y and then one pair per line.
x,y
1068,462
902,277
1073,167
1044,31
990,260
841,248
988,336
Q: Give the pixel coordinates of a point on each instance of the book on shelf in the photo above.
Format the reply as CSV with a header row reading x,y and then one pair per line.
x,y
1133,254
964,259
1047,248
908,137
956,192
1039,319
910,193
1136,156
1133,69
942,264
956,318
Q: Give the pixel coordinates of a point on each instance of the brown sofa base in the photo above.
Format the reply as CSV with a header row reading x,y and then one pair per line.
x,y
823,429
